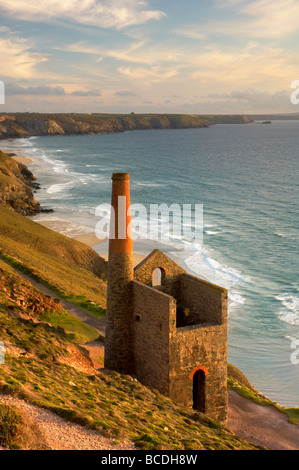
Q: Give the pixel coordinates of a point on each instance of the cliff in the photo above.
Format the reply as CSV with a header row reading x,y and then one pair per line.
x,y
35,124
227,119
16,183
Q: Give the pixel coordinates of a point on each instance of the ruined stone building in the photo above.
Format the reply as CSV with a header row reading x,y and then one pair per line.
x,y
171,334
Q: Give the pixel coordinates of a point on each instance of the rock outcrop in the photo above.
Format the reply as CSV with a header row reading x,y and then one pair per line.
x,y
35,124
16,184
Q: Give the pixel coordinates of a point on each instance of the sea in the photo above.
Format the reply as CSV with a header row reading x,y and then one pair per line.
x,y
245,179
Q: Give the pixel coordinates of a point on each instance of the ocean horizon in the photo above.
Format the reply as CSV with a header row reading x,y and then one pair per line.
x,y
245,178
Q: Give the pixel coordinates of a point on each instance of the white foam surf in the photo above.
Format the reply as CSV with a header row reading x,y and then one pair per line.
x,y
289,311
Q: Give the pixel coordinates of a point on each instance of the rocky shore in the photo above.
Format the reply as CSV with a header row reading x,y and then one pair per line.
x,y
17,184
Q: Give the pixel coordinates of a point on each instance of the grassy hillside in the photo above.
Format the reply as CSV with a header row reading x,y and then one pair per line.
x,y
69,267
45,365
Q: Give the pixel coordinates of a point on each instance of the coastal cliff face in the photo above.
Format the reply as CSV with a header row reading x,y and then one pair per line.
x,y
34,124
16,183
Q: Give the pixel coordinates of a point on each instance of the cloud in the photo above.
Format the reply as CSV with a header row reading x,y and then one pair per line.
x,y
103,13
86,93
267,19
13,89
125,93
137,52
155,74
250,100
257,66
17,58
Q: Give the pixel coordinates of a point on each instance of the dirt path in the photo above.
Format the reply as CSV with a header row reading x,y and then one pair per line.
x,y
62,435
97,323
261,425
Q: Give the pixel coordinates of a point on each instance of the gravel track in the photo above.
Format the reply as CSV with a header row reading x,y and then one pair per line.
x,y
62,435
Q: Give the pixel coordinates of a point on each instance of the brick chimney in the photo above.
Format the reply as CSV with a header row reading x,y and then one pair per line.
x,y
119,333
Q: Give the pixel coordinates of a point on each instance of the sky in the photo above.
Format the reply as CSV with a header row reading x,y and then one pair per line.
x,y
155,56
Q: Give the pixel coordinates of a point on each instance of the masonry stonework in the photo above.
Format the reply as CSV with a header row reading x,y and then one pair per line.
x,y
173,336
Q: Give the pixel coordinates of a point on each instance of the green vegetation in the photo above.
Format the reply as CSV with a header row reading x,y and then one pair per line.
x,y
240,384
114,405
18,431
69,268
41,365
10,423
15,293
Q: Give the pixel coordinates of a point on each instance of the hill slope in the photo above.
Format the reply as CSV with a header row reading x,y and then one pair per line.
x,y
70,267
46,366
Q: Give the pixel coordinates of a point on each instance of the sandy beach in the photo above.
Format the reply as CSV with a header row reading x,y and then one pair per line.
x,y
18,158
92,241
22,159
63,226
88,239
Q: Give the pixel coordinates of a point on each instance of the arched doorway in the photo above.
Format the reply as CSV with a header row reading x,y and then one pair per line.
x,y
199,388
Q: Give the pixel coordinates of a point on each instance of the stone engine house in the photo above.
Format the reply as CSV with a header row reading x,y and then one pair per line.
x,y
164,325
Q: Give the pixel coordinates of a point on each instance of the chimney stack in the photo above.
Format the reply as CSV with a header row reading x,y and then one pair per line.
x,y
119,332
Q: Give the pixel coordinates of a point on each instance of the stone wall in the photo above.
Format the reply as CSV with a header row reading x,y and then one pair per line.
x,y
178,328
205,347
202,300
143,272
153,312
201,345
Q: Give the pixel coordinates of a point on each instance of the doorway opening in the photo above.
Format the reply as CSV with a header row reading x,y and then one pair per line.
x,y
199,390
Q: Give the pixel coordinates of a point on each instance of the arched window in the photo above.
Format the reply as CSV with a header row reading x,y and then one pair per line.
x,y
157,277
